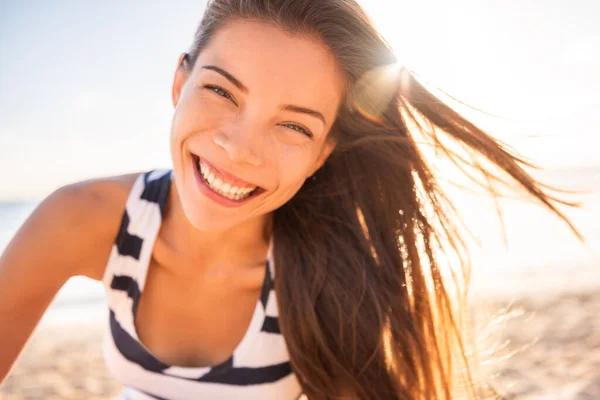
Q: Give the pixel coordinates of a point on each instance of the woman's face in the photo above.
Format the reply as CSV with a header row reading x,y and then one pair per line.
x,y
251,122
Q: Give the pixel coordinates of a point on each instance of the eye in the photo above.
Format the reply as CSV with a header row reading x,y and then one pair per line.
x,y
299,128
221,92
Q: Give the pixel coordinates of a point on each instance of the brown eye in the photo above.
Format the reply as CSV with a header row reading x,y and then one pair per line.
x,y
300,129
220,91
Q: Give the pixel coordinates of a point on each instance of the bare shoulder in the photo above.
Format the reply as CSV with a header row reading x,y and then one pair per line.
x,y
104,196
81,220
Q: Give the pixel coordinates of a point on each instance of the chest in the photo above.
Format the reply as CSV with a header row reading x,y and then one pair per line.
x,y
196,321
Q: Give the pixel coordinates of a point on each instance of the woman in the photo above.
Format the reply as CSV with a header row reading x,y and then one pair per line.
x,y
292,247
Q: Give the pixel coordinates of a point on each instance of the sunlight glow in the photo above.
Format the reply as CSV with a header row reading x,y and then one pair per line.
x,y
375,90
531,79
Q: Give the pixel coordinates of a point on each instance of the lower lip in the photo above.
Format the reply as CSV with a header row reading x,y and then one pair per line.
x,y
207,191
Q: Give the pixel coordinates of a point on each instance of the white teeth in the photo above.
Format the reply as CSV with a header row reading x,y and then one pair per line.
x,y
223,188
217,184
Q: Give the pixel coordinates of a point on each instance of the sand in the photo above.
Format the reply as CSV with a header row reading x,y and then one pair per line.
x,y
553,343
551,348
61,363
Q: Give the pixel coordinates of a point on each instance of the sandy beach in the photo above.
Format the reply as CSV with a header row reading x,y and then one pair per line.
x,y
61,363
549,349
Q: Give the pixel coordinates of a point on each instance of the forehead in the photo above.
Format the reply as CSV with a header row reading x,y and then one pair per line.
x,y
265,58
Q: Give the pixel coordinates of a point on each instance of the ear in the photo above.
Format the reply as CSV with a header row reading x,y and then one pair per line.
x,y
181,75
328,147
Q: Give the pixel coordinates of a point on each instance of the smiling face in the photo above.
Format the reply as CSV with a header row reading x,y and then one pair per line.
x,y
251,122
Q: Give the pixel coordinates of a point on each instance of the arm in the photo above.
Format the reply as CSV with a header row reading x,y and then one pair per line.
x,y
68,234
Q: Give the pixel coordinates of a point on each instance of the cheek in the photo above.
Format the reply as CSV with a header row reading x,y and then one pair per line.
x,y
293,167
197,112
194,116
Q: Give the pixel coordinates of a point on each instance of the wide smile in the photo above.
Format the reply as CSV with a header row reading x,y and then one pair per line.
x,y
221,186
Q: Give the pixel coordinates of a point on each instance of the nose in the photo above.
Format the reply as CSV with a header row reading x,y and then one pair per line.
x,y
240,143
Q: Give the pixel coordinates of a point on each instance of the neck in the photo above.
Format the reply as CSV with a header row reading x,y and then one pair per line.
x,y
246,243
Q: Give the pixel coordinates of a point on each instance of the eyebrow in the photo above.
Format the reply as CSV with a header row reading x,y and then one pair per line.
x,y
227,76
304,110
287,107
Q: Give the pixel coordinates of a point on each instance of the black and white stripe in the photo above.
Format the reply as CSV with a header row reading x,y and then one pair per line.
x,y
259,367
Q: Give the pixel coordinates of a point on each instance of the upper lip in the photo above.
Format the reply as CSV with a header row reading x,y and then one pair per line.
x,y
230,177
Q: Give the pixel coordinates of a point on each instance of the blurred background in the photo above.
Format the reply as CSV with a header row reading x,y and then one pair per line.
x,y
85,92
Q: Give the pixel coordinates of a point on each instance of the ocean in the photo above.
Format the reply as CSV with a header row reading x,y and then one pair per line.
x,y
540,257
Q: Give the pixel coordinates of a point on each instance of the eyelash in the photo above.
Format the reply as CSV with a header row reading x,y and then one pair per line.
x,y
300,129
221,92
224,93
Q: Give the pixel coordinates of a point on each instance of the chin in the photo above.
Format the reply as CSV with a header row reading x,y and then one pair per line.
x,y
206,218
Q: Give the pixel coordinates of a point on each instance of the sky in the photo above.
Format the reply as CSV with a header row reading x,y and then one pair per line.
x,y
85,86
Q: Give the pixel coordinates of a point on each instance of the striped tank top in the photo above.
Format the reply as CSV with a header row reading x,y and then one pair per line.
x,y
259,367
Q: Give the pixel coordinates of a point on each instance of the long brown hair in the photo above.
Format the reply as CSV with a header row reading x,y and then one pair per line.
x,y
365,306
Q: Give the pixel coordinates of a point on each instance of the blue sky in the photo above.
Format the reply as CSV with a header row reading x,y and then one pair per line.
x,y
85,86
